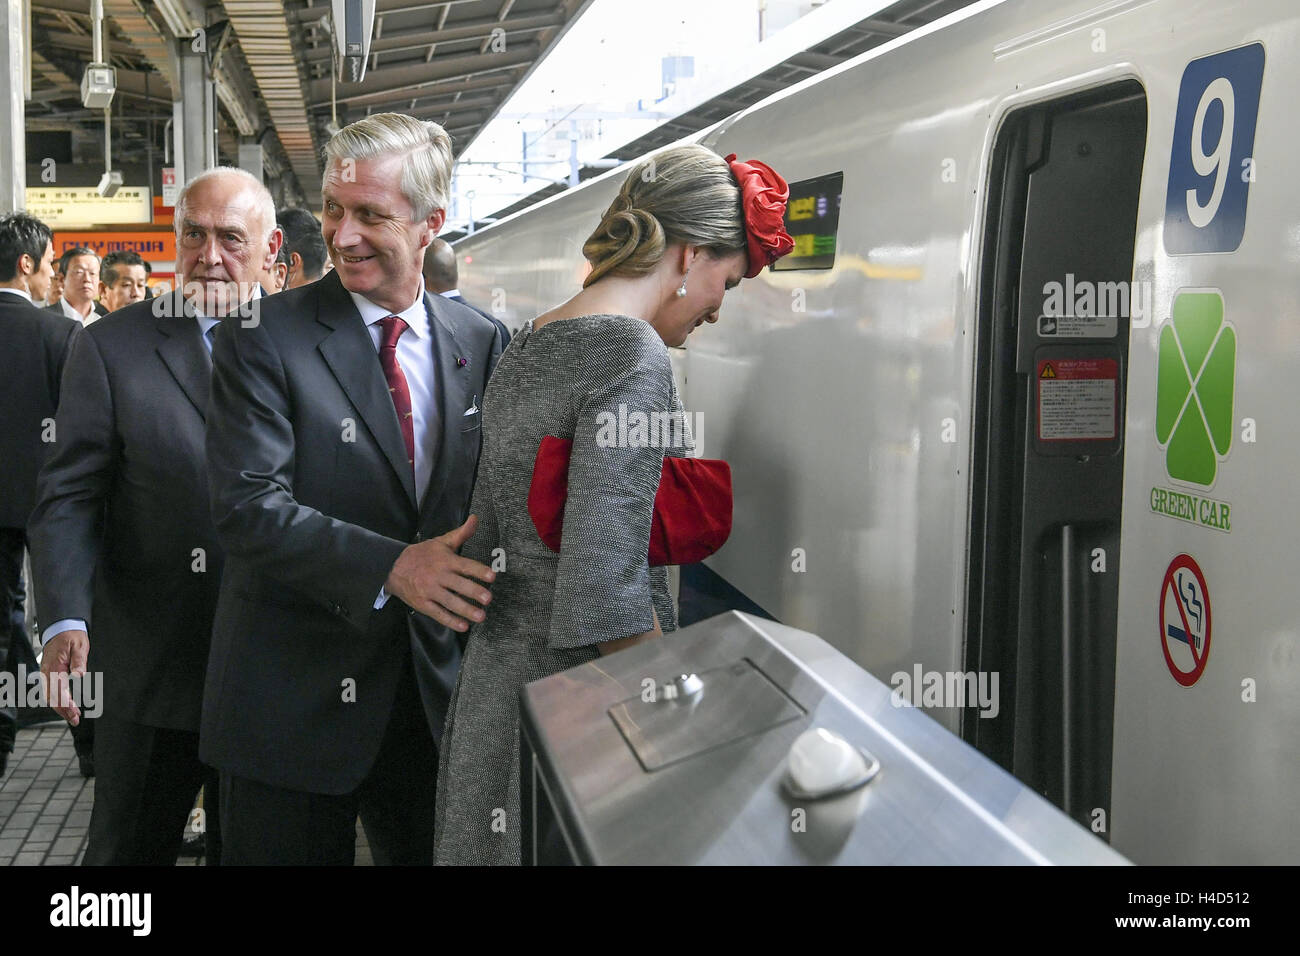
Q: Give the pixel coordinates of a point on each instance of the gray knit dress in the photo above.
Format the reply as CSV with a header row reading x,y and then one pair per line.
x,y
572,378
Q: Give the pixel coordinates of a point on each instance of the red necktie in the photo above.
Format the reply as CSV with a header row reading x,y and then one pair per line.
x,y
397,388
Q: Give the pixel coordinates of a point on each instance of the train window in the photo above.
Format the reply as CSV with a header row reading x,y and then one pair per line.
x,y
812,218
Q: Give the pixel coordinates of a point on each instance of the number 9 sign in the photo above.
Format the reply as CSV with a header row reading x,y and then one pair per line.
x,y
1211,164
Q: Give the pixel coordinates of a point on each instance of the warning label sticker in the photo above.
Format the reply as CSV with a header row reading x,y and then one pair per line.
x,y
1078,399
1185,620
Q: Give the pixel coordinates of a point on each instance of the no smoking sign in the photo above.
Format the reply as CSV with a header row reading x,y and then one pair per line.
x,y
1185,620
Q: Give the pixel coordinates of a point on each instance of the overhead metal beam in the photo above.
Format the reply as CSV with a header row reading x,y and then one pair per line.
x,y
440,88
815,62
882,27
409,78
385,7
406,40
462,106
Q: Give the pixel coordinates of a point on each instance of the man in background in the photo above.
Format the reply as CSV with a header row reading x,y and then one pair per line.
x,y
79,273
33,347
304,247
123,278
441,276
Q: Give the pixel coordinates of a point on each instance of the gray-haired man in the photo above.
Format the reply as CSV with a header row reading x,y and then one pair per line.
x,y
343,438
125,559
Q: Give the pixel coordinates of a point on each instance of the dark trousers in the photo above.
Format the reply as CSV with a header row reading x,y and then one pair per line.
x,y
14,646
146,781
262,824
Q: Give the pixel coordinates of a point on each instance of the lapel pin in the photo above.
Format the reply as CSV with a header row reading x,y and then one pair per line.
x,y
461,362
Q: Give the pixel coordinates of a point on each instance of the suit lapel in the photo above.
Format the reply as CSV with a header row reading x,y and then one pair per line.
x,y
184,353
350,354
452,381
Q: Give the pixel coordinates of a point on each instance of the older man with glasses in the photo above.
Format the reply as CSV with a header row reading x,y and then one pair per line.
x,y
78,272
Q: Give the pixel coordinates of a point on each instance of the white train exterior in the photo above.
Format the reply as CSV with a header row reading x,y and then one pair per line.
x,y
888,500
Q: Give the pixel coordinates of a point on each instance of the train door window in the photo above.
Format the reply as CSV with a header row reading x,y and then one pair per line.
x,y
1048,437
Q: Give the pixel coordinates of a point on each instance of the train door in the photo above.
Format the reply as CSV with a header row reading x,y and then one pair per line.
x,y
1048,438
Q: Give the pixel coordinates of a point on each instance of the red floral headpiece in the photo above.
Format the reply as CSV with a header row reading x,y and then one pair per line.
x,y
763,195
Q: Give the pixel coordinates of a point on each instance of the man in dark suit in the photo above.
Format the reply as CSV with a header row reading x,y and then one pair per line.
x,y
33,348
441,275
343,439
125,559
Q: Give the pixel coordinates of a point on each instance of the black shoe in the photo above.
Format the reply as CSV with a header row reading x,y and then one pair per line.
x,y
86,763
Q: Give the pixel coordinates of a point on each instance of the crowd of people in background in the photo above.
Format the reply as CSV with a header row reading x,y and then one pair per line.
x,y
85,287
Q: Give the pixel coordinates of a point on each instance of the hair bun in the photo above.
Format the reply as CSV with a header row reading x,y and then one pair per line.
x,y
627,237
630,223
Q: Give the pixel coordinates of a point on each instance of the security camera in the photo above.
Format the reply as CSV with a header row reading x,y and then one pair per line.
x,y
98,84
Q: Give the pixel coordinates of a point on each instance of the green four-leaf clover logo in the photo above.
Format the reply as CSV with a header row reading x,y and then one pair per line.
x,y
1194,384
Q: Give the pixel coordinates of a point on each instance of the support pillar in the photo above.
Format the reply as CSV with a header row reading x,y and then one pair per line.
x,y
13,81
194,113
250,159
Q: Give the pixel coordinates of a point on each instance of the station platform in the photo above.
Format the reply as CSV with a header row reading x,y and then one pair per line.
x,y
45,803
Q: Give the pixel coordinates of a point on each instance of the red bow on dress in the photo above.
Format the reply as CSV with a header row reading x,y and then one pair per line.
x,y
692,509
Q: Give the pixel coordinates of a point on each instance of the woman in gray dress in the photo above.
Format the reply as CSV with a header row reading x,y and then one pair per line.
x,y
686,226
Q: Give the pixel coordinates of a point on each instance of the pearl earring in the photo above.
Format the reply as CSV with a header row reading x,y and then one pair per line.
x,y
681,289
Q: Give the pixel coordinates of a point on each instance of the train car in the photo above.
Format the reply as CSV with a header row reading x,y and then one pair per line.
x,y
1005,427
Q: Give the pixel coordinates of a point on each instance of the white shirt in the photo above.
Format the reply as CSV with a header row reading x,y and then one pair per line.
x,y
71,312
22,292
